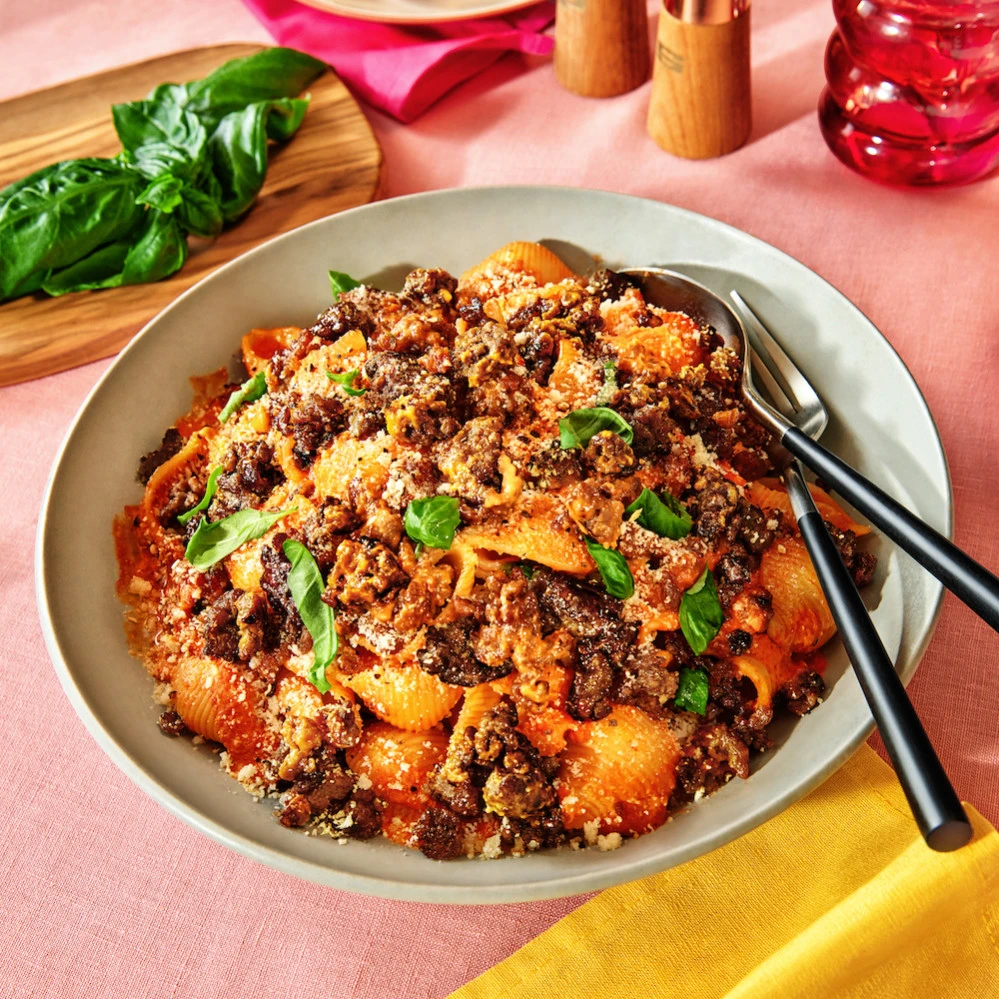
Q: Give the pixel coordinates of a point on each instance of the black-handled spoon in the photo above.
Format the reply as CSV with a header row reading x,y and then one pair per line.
x,y
934,803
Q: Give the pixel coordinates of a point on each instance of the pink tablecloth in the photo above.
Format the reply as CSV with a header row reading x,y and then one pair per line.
x,y
105,894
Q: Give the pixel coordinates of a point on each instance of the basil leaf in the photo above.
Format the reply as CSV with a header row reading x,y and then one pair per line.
x,y
153,251
305,582
347,381
212,542
161,137
701,614
433,520
206,500
264,76
100,269
164,193
160,250
61,214
663,516
250,391
614,571
528,570
340,282
692,691
576,429
609,388
199,213
238,149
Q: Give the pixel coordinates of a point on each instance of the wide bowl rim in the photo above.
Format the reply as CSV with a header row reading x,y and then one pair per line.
x,y
585,880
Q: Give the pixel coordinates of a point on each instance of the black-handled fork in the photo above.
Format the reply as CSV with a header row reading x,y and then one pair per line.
x,y
959,572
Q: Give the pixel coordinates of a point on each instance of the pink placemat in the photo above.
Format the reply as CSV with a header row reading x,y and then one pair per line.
x,y
107,895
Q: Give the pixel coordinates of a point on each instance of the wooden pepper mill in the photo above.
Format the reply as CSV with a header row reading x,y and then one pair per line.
x,y
601,46
700,105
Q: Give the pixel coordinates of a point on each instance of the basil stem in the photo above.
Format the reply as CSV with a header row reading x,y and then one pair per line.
x,y
701,614
206,500
346,380
664,516
433,520
305,582
249,391
576,429
614,570
210,543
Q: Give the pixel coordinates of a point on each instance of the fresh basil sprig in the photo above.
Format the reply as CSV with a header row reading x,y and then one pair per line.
x,y
701,614
193,157
346,380
692,691
576,429
250,391
614,571
340,282
305,582
433,520
664,515
210,543
206,500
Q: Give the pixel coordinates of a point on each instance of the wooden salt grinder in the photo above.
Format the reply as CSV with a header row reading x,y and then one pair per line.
x,y
700,105
601,46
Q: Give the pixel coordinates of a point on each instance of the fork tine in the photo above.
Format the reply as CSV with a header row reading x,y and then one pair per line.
x,y
778,396
811,414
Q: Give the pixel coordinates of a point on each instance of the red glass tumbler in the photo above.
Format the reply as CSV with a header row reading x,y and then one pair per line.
x,y
913,89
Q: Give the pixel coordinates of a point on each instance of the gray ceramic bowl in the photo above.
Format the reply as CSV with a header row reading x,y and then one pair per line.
x,y
879,422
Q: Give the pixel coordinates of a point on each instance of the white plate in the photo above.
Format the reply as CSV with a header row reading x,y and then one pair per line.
x,y
879,422
418,11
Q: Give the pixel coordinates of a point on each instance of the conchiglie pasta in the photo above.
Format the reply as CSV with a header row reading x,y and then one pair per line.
x,y
215,701
404,696
540,697
260,345
769,494
655,351
572,377
802,620
543,536
188,461
398,762
349,462
503,271
477,702
619,771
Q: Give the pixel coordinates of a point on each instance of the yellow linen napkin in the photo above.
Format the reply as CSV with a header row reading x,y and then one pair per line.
x,y
836,897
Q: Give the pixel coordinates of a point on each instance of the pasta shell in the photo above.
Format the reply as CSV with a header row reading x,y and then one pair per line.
x,y
544,537
478,700
531,259
656,351
404,696
217,703
540,698
260,345
397,762
619,771
802,620
769,494
575,383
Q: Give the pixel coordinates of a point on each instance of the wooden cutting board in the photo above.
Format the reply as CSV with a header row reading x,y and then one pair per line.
x,y
332,163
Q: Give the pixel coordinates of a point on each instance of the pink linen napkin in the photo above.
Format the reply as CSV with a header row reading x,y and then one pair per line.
x,y
403,70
